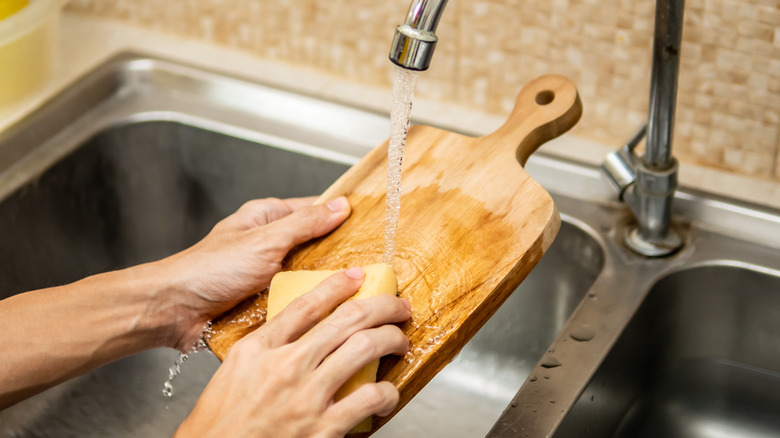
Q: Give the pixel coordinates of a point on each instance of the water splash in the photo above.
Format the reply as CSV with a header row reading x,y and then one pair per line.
x,y
173,372
400,113
175,369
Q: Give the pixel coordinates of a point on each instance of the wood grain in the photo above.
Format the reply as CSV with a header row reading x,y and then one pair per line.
x,y
472,226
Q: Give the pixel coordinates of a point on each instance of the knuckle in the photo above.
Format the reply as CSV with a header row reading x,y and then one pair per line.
x,y
306,215
399,337
352,311
250,207
288,365
242,349
262,211
285,374
305,306
308,219
399,306
375,396
363,343
379,396
392,397
248,348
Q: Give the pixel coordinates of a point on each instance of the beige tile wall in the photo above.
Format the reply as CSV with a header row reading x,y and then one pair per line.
x,y
729,95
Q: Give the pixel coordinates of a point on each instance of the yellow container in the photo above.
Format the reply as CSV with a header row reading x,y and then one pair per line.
x,y
28,45
10,7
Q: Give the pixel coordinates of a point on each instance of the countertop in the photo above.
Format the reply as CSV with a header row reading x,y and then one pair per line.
x,y
87,42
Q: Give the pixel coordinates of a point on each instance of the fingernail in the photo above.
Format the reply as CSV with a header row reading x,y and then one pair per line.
x,y
407,304
338,204
355,273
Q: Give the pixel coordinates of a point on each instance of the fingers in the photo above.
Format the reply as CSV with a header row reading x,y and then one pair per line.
x,y
352,317
309,222
259,212
306,311
298,203
358,351
370,399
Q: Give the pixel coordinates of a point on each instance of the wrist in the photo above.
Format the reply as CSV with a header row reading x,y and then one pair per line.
x,y
166,312
175,309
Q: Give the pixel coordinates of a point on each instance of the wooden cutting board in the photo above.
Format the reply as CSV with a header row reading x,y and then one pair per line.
x,y
472,226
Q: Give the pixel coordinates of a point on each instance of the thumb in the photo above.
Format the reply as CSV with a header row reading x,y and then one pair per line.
x,y
309,222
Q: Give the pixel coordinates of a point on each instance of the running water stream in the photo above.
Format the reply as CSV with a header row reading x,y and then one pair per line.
x,y
400,112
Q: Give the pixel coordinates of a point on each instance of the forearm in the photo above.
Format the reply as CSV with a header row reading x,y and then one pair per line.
x,y
51,335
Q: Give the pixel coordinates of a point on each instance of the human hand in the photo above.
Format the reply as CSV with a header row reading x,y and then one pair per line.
x,y
279,381
238,258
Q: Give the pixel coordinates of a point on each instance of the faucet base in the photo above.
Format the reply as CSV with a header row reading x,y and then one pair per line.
x,y
668,245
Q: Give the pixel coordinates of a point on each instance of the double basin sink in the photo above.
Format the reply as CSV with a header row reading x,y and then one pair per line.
x,y
141,157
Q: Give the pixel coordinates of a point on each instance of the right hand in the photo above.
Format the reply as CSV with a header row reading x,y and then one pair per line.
x,y
279,381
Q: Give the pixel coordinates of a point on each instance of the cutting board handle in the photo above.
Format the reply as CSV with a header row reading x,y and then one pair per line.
x,y
545,108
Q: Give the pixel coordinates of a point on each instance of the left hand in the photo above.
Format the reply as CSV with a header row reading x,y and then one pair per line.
x,y
280,380
239,257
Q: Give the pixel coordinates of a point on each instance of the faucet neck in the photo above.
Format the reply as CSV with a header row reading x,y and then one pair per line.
x,y
663,83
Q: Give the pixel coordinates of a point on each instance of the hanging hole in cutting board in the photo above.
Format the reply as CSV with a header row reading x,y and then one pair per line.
x,y
545,97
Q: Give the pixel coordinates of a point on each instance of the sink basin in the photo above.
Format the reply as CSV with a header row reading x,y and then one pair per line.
x,y
146,175
698,359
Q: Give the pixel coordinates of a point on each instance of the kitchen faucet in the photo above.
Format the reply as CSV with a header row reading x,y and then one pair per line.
x,y
646,184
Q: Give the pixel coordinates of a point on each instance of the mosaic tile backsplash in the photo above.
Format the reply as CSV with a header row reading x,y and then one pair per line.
x,y
728,112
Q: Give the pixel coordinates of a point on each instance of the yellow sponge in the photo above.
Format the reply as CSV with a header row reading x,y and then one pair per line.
x,y
286,286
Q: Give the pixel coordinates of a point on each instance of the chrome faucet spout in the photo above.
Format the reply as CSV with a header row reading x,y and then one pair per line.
x,y
415,40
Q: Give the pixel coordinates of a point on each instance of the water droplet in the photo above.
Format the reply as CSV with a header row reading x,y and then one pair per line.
x,y
167,389
551,362
552,401
514,404
582,333
546,377
533,379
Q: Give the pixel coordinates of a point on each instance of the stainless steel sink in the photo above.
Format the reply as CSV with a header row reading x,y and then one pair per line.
x,y
141,157
700,358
